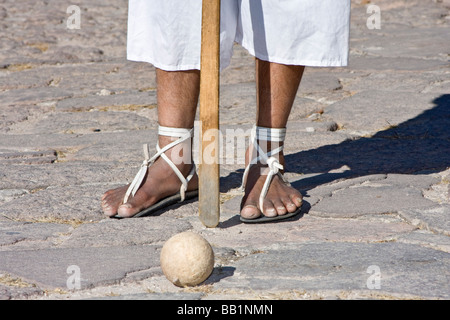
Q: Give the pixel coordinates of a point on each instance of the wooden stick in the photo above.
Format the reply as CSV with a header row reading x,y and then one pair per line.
x,y
209,207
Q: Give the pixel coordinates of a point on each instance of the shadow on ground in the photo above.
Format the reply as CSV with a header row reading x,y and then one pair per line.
x,y
419,145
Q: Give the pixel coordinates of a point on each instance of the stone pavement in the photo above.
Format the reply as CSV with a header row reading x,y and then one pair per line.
x,y
368,146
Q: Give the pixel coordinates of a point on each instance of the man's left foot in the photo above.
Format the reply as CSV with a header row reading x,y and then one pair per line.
x,y
281,198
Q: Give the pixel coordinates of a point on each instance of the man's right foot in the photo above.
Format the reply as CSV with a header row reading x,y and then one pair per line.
x,y
159,182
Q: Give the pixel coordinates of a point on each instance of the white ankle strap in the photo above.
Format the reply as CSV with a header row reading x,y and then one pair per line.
x,y
182,134
271,135
175,132
266,134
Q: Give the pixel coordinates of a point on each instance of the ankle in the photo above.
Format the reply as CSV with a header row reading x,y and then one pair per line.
x,y
180,154
266,146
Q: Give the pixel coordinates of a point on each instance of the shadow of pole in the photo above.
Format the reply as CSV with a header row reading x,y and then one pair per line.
x,y
419,145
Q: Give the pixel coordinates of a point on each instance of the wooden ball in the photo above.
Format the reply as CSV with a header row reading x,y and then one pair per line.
x,y
187,259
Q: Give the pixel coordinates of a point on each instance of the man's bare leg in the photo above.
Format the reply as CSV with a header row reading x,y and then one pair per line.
x,y
177,102
277,86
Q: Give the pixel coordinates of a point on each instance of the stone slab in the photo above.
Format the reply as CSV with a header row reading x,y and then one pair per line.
x,y
427,238
125,232
436,219
368,196
68,203
12,232
372,111
82,123
390,64
117,76
304,228
31,96
344,267
28,157
127,100
21,292
153,296
10,194
313,81
435,81
103,146
47,268
17,180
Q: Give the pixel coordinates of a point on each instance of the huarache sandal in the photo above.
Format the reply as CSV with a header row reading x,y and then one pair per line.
x,y
182,135
274,166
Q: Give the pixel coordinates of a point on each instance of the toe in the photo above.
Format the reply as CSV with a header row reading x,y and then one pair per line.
x,y
250,211
108,211
289,205
279,207
109,206
249,207
111,200
126,210
296,198
136,204
269,209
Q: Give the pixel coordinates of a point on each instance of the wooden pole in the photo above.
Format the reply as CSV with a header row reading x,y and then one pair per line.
x,y
209,206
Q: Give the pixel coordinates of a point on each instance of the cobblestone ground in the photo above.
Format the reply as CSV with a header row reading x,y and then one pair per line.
x,y
368,146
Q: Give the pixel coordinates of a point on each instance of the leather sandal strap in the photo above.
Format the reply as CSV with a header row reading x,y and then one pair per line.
x,y
272,135
182,135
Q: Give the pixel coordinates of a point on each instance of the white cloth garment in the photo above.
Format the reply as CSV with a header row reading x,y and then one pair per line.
x,y
167,33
